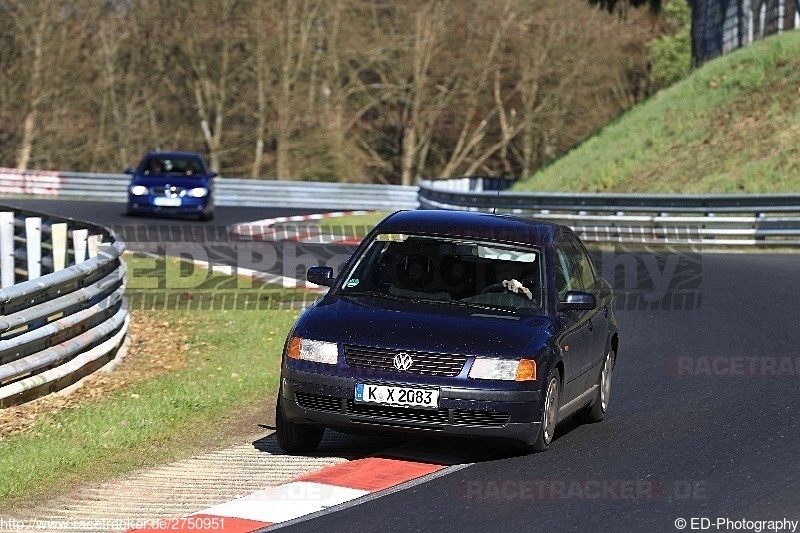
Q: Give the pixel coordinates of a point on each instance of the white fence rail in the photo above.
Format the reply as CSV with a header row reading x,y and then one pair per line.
x,y
62,315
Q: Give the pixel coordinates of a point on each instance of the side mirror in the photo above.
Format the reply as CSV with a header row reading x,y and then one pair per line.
x,y
128,171
578,301
212,174
320,275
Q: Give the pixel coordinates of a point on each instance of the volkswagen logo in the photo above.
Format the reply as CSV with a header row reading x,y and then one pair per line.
x,y
403,361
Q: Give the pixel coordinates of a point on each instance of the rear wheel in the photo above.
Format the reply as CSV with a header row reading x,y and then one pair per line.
x,y
549,412
296,438
596,411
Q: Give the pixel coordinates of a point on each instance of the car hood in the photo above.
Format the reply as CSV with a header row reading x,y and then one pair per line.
x,y
423,326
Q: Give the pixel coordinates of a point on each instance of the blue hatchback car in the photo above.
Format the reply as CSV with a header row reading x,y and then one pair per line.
x,y
456,323
171,183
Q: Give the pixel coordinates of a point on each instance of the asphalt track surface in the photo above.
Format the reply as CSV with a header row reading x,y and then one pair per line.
x,y
703,445
191,239
112,214
703,421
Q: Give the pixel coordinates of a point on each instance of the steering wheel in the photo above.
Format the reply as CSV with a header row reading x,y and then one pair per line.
x,y
498,288
493,288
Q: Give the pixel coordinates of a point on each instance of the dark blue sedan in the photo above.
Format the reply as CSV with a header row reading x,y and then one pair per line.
x,y
171,183
453,323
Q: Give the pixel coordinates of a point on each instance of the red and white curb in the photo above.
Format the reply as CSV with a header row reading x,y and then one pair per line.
x,y
309,494
279,229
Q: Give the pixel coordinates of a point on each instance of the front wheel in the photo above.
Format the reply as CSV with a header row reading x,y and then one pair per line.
x,y
596,411
296,439
549,413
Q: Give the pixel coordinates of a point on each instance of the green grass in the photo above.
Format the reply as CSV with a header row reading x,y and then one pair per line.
x,y
732,126
362,224
231,366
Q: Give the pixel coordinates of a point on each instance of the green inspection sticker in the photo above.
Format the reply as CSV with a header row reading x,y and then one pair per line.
x,y
351,283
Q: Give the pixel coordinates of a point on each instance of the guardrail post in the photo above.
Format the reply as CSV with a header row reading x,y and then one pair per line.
x,y
33,241
93,243
59,235
79,237
6,249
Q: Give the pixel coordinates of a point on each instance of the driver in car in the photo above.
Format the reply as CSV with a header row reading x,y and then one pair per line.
x,y
507,274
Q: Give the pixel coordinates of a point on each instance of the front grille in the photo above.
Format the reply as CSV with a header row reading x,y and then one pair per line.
x,y
162,191
466,417
318,402
361,412
399,414
424,363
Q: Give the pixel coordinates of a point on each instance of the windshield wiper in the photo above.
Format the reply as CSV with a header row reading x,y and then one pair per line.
x,y
390,296
479,306
376,294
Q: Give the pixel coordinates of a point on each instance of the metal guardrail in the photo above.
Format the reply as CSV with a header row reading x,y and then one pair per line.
x,y
719,220
60,327
228,191
708,220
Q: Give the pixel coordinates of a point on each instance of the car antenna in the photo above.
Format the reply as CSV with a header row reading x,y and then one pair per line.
x,y
502,183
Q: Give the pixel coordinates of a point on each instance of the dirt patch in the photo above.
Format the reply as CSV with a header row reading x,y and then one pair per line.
x,y
149,355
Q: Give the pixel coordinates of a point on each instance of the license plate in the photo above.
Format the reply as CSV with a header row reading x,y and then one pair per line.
x,y
167,202
397,396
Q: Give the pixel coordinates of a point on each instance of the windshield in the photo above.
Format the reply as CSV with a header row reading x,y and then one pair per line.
x,y
186,166
448,270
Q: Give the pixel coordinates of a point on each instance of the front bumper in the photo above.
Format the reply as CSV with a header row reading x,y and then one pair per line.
x,y
308,398
189,206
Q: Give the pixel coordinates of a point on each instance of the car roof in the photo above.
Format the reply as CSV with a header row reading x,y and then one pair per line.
x,y
473,225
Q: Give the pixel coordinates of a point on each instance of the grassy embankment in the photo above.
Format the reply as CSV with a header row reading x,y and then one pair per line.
x,y
193,380
732,126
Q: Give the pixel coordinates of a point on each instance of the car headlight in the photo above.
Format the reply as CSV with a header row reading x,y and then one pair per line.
x,y
503,369
138,190
198,192
317,351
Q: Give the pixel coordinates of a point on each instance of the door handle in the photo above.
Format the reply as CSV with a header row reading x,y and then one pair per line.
x,y
591,324
605,311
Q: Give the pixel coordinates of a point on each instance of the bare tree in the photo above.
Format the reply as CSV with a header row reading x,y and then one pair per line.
x,y
33,22
317,89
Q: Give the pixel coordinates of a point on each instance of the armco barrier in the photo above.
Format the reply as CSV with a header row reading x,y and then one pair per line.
x,y
57,328
711,220
707,220
228,191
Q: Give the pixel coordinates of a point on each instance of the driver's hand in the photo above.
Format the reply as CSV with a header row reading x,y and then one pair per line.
x,y
517,286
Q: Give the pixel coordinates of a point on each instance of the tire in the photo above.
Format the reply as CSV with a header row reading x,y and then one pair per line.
x,y
296,439
549,412
596,411
206,217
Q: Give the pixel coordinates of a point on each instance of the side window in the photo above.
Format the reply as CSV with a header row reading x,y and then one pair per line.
x,y
584,265
567,277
